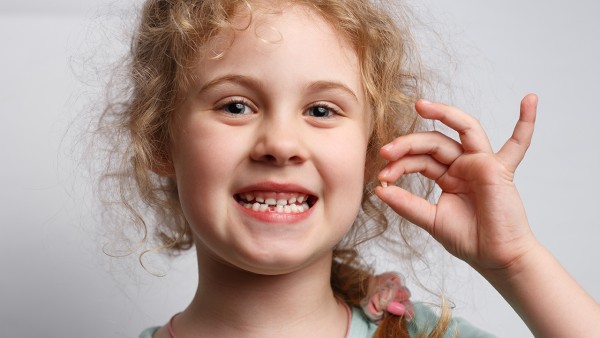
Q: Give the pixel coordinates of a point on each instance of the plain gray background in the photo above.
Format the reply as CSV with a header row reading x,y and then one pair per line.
x,y
56,282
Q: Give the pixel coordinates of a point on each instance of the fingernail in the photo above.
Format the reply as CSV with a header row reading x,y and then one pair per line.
x,y
423,101
384,173
387,147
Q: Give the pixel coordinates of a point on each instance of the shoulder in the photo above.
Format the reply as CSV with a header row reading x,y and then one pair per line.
x,y
424,321
149,332
361,326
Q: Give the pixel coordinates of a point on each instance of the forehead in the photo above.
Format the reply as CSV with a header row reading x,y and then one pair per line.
x,y
292,40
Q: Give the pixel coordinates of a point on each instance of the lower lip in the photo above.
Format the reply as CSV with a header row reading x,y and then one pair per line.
x,y
276,217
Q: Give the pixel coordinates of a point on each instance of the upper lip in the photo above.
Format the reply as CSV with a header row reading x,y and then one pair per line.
x,y
270,186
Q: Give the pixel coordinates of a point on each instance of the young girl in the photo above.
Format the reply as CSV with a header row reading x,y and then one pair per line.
x,y
273,135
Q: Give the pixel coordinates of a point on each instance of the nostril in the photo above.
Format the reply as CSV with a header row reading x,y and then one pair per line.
x,y
279,150
272,159
269,158
295,159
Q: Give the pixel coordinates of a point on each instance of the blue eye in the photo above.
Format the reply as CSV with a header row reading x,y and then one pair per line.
x,y
321,111
236,108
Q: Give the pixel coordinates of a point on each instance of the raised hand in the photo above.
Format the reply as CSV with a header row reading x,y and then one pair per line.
x,y
479,216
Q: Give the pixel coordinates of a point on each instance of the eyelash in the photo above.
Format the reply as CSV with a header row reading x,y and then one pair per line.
x,y
223,107
234,101
333,110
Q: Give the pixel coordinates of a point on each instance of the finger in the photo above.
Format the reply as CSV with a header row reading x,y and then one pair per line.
x,y
470,132
424,164
436,144
513,151
415,209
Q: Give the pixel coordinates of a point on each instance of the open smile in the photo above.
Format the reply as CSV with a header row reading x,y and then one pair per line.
x,y
279,202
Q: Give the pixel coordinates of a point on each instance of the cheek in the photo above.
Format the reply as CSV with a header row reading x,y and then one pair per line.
x,y
194,182
204,159
206,152
344,178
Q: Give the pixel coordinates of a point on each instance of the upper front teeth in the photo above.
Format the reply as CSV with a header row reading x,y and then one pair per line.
x,y
274,200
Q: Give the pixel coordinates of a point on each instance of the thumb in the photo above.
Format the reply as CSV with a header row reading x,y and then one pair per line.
x,y
415,209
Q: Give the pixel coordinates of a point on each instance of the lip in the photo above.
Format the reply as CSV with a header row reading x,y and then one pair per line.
x,y
276,217
276,187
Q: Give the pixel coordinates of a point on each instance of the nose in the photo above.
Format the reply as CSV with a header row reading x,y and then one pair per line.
x,y
280,141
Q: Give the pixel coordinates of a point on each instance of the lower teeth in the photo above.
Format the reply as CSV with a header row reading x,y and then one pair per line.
x,y
287,209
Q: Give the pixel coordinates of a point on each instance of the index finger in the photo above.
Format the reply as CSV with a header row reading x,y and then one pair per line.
x,y
470,132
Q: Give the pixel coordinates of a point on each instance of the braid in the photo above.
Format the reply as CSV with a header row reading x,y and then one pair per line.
x,y
351,283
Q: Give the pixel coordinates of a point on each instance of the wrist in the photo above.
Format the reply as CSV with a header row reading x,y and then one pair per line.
x,y
528,261
545,296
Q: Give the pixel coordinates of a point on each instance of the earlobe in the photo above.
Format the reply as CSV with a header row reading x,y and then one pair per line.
x,y
162,165
163,169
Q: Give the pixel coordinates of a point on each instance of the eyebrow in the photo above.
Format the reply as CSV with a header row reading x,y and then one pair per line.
x,y
237,79
247,81
324,85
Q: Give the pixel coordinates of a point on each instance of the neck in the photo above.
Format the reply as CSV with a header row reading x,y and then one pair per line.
x,y
231,302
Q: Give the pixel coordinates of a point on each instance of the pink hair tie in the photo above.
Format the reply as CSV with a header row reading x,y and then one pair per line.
x,y
387,294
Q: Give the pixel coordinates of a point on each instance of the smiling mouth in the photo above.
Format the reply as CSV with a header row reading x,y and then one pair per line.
x,y
288,203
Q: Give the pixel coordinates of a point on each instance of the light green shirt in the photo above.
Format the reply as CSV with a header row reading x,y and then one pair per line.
x,y
423,321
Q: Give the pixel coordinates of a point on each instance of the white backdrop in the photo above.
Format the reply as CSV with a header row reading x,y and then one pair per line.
x,y
56,282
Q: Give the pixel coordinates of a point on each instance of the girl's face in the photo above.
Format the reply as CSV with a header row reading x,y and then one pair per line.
x,y
281,119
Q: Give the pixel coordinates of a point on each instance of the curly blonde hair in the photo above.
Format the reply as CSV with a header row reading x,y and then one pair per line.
x,y
168,40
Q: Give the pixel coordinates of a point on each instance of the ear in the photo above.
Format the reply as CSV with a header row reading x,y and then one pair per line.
x,y
165,170
162,165
373,162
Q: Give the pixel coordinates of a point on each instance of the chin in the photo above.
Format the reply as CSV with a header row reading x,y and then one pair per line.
x,y
281,261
